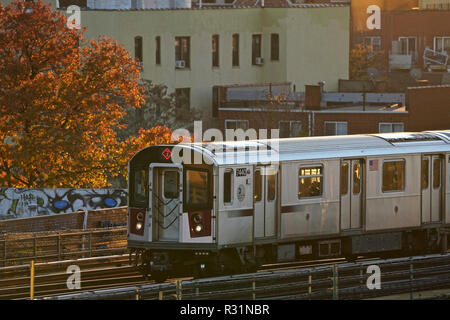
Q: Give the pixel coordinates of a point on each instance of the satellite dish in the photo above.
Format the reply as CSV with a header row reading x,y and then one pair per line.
x,y
416,74
372,73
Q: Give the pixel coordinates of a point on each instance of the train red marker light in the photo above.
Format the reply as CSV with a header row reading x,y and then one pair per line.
x,y
166,153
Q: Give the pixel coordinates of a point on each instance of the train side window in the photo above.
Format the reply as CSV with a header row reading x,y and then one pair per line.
x,y
196,190
436,173
394,175
425,174
171,179
271,187
310,182
228,186
344,179
356,178
257,192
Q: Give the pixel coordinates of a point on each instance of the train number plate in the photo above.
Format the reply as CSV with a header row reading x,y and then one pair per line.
x,y
241,172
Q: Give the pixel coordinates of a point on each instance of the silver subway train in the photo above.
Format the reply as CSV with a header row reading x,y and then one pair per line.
x,y
229,207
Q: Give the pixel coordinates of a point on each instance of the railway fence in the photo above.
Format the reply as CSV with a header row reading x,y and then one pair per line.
x,y
16,249
336,281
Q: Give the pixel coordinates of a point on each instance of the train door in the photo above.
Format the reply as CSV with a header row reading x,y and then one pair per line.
x,y
431,188
351,194
265,201
165,197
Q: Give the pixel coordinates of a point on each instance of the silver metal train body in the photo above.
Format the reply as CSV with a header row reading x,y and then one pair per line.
x,y
243,204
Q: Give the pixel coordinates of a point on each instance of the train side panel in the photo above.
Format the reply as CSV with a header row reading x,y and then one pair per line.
x,y
447,194
309,216
393,209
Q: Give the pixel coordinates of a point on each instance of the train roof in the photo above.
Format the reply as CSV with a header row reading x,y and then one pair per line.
x,y
310,148
327,147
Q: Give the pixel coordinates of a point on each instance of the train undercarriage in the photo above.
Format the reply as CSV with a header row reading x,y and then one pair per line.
x,y
160,264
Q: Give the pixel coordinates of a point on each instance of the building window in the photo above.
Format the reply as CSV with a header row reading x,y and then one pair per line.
x,y
215,50
374,43
215,101
387,127
235,45
310,182
333,128
394,175
256,49
183,102
290,129
228,186
182,52
236,124
442,44
274,47
271,187
408,45
257,186
158,50
138,48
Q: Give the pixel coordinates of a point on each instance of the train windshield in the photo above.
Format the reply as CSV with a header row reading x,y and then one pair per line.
x,y
197,189
139,188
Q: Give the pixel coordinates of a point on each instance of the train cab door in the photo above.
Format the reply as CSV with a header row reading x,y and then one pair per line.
x,y
351,190
165,196
265,195
431,184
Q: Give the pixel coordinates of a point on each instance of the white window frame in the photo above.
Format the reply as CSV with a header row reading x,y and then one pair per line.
x,y
236,121
392,126
291,122
440,38
336,127
408,49
372,38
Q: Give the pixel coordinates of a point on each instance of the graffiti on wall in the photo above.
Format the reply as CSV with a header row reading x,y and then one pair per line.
x,y
23,203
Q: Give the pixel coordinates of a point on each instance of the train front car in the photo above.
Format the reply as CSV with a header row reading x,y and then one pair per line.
x,y
170,211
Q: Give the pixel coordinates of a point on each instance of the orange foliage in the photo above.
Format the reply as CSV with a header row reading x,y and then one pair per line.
x,y
58,109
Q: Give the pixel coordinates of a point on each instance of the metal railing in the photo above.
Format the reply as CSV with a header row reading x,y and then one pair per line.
x,y
19,249
336,281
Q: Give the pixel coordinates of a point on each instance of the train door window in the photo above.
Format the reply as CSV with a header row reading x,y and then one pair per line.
x,y
344,179
436,173
171,184
356,178
271,187
257,186
393,175
310,182
197,190
228,186
425,174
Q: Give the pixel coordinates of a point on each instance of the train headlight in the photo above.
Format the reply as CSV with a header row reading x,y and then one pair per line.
x,y
198,228
139,226
140,216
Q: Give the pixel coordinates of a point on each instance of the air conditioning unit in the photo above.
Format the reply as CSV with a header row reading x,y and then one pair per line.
x,y
180,64
259,61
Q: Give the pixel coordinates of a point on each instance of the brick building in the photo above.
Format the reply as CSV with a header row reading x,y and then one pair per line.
x,y
316,113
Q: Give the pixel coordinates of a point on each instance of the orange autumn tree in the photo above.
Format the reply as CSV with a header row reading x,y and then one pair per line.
x,y
58,101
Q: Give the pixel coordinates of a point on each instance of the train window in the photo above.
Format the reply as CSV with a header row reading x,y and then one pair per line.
x,y
257,187
171,184
271,187
436,173
228,186
139,187
310,182
344,179
425,173
356,178
196,189
394,176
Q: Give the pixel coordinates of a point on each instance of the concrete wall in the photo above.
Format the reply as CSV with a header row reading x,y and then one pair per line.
x,y
24,203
